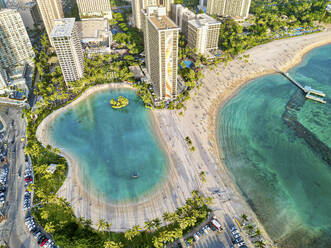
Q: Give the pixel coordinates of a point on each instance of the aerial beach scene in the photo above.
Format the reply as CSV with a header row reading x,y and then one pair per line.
x,y
299,46
171,124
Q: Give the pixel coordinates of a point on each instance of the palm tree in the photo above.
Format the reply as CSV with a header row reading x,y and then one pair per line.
x,y
167,217
202,176
259,244
209,201
131,233
250,229
102,225
108,225
50,227
195,193
87,223
157,223
149,225
112,244
258,232
244,217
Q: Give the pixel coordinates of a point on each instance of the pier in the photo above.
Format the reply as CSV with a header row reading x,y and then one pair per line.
x,y
309,92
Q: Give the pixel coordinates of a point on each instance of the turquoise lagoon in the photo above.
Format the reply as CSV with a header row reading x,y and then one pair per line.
x,y
111,145
277,148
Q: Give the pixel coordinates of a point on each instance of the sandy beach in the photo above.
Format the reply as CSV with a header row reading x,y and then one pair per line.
x,y
200,124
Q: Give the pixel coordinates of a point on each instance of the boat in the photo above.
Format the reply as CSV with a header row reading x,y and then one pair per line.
x,y
135,175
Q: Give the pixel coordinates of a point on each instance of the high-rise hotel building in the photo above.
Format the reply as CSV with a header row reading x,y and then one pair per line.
x,y
138,5
203,33
68,48
50,10
15,45
181,16
200,30
161,49
228,7
94,8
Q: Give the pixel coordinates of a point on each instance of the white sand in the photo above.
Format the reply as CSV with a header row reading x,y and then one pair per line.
x,y
199,123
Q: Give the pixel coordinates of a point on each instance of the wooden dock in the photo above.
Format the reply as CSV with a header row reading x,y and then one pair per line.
x,y
310,93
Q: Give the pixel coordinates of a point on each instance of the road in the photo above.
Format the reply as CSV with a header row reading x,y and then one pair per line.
x,y
13,231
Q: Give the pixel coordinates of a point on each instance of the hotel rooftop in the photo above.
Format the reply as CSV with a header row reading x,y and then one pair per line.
x,y
203,20
162,22
93,27
63,27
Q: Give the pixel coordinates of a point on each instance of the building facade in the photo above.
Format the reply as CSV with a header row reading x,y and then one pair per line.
x,y
94,8
3,78
66,41
161,49
15,45
181,16
203,33
30,14
138,5
238,8
50,10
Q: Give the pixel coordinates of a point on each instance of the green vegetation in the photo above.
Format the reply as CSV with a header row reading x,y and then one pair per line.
x,y
145,94
191,4
115,3
132,38
202,176
120,103
253,232
190,144
271,20
54,213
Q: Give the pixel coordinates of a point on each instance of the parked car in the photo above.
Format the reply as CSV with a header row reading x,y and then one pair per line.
x,y
204,229
43,242
216,224
237,235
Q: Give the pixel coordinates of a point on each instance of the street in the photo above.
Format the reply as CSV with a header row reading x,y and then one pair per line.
x,y
12,230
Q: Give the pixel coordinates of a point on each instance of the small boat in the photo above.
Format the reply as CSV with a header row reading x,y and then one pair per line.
x,y
135,175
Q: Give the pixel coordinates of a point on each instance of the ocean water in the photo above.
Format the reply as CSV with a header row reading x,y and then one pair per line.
x,y
111,145
277,147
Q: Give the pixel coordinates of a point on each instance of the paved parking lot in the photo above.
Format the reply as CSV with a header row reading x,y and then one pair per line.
x,y
212,240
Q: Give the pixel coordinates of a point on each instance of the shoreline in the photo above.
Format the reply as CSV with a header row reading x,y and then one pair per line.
x,y
200,124
73,187
230,92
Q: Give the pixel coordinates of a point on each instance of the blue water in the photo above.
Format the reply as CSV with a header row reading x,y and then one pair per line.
x,y
110,145
284,173
187,63
1,125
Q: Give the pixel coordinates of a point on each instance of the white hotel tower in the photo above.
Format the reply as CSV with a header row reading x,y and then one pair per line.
x,y
68,48
15,45
161,48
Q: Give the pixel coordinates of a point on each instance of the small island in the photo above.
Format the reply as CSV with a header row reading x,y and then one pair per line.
x,y
120,103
